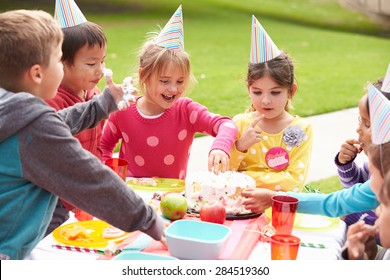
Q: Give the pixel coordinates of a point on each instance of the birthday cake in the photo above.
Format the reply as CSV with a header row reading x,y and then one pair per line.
x,y
206,187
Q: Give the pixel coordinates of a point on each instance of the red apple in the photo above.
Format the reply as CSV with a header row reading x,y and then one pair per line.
x,y
173,206
213,213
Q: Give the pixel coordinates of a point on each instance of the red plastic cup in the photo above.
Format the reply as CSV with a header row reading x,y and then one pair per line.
x,y
119,165
283,213
284,247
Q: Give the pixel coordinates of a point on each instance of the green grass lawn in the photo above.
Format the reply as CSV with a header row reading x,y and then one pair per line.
x,y
327,185
335,51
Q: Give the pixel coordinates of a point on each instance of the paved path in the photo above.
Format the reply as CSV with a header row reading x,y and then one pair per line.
x,y
329,132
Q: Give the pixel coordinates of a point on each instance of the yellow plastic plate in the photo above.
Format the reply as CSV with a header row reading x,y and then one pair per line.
x,y
162,184
94,234
310,222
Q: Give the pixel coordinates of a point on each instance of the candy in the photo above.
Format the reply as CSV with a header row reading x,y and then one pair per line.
x,y
127,87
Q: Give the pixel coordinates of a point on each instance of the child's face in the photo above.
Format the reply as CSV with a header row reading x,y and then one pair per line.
x,y
364,129
268,97
52,75
165,89
86,70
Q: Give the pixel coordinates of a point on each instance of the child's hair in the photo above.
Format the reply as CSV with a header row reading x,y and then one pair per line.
x,y
26,38
280,69
384,194
379,155
76,37
377,85
153,59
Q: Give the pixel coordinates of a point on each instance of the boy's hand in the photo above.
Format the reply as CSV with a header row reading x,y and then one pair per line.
x,y
257,200
115,90
349,150
218,161
251,135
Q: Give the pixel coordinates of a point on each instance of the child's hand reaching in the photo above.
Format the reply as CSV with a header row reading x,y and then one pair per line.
x,y
257,200
217,159
251,135
361,242
123,94
349,150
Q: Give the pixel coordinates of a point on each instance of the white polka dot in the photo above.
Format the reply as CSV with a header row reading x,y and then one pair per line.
x,y
181,174
288,148
266,177
152,141
301,165
264,149
265,137
288,174
112,127
295,190
182,135
139,160
301,178
243,163
278,188
169,159
253,151
193,117
261,166
240,157
229,125
125,137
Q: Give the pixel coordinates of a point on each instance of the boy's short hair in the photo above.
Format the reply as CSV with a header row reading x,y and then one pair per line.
x,y
76,37
27,37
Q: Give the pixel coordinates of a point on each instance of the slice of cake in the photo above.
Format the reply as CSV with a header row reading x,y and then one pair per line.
x,y
206,187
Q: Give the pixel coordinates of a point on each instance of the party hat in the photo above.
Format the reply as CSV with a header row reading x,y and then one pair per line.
x,y
262,46
172,35
379,116
386,82
68,14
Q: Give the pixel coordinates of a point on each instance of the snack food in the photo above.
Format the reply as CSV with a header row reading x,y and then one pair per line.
x,y
206,187
78,233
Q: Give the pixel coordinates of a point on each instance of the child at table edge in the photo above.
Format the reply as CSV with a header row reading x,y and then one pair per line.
x,y
41,159
272,146
157,131
83,53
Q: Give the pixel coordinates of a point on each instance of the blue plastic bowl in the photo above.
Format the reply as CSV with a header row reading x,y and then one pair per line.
x,y
196,240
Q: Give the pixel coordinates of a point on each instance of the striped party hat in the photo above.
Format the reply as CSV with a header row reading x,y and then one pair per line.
x,y
68,14
172,35
386,82
262,46
379,116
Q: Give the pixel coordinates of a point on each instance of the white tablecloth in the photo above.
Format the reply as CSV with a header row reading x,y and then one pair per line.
x,y
332,238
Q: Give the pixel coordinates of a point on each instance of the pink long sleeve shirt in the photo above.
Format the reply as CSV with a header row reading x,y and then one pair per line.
x,y
160,147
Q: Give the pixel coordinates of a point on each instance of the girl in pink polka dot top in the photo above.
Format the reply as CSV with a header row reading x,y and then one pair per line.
x,y
157,131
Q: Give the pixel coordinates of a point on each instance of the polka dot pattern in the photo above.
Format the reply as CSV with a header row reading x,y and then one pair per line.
x,y
139,160
264,149
301,178
252,151
278,188
125,137
112,127
152,141
193,117
182,134
169,159
265,137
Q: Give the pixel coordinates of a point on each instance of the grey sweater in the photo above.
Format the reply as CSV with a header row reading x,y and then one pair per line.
x,y
41,160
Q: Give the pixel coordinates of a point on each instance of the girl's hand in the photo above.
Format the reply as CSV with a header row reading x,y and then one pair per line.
x,y
359,241
251,135
218,161
349,150
257,200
